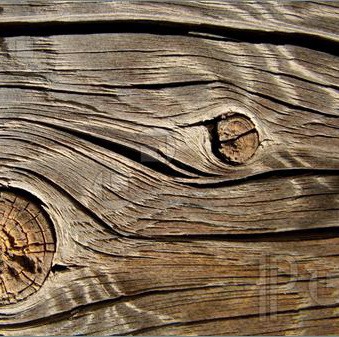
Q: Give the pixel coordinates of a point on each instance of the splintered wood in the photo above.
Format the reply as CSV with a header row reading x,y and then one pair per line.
x,y
26,247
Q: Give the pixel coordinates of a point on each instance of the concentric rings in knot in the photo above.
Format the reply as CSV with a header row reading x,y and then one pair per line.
x,y
27,246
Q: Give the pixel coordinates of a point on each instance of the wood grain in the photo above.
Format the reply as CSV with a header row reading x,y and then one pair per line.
x,y
27,247
115,132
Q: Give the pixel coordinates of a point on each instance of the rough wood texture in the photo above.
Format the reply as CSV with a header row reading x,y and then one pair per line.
x,y
238,138
27,246
116,133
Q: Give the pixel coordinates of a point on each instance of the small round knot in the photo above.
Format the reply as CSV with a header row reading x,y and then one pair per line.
x,y
27,245
238,138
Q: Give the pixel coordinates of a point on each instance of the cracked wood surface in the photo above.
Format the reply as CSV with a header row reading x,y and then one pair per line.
x,y
27,246
115,132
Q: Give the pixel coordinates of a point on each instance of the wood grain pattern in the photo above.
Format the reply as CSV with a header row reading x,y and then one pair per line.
x,y
27,247
115,132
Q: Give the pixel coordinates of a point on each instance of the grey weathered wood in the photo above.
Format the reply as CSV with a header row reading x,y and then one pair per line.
x,y
155,233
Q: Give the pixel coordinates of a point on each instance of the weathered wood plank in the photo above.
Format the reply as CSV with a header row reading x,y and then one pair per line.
x,y
63,95
116,134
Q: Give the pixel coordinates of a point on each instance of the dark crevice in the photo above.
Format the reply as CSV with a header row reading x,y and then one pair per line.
x,y
133,154
212,127
234,139
128,152
154,86
190,169
299,235
59,268
48,28
272,174
137,156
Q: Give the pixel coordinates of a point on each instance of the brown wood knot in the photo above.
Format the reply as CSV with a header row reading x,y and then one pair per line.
x,y
238,138
27,246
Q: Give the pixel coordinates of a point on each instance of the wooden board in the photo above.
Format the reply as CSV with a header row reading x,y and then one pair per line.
x,y
108,116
